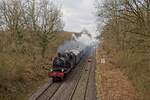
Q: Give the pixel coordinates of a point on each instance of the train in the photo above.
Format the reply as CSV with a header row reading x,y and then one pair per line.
x,y
66,61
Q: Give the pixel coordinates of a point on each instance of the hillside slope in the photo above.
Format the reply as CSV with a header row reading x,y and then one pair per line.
x,y
23,71
112,83
129,53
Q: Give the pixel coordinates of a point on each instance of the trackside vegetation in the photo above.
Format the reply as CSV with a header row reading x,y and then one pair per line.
x,y
126,39
30,33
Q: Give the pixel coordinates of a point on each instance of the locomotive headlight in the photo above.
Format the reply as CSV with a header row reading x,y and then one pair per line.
x,y
51,70
62,70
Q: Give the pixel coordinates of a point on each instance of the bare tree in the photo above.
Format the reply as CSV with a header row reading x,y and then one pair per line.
x,y
12,15
43,18
127,23
49,17
49,22
32,10
1,22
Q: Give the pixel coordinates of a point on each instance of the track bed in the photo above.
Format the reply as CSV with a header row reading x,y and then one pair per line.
x,y
78,85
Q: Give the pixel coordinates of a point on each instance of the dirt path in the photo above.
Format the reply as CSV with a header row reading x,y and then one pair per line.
x,y
112,84
78,85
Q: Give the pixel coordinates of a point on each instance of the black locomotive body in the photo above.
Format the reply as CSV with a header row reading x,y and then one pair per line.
x,y
65,62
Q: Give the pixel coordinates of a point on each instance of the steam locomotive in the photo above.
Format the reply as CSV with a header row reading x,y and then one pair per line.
x,y
64,62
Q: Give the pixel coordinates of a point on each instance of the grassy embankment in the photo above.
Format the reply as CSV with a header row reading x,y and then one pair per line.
x,y
129,52
21,68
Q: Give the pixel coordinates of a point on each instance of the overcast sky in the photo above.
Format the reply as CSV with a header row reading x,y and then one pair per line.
x,y
79,14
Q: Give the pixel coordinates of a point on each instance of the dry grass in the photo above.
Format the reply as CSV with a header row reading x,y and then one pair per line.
x,y
21,73
130,53
134,66
112,84
98,75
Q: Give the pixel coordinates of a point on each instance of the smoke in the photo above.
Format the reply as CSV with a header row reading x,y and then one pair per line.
x,y
78,41
72,44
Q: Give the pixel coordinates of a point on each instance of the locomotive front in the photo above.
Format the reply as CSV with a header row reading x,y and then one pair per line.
x,y
58,68
61,66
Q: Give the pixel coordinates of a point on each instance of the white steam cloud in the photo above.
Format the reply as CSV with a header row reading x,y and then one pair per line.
x,y
78,42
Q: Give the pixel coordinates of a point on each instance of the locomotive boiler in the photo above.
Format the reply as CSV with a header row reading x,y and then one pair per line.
x,y
64,62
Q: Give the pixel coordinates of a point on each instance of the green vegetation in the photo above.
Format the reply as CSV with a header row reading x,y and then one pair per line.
x,y
126,39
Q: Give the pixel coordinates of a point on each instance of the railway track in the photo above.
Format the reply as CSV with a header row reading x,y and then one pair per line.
x,y
78,89
76,86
